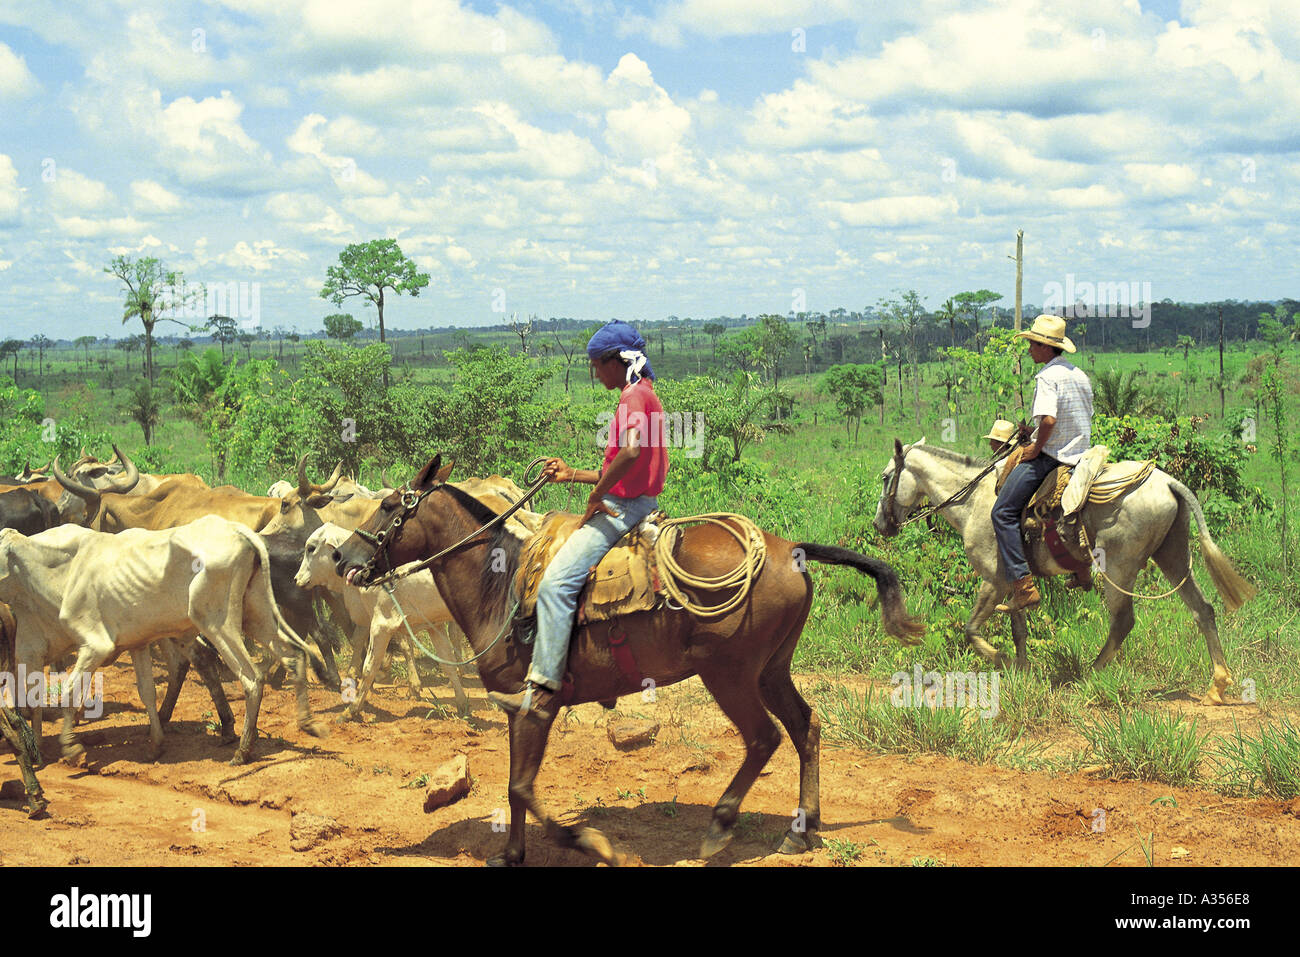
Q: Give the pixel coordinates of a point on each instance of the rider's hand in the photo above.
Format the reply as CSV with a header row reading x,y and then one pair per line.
x,y
557,471
1031,452
594,505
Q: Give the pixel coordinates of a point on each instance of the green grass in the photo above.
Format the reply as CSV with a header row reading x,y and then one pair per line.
x,y
872,722
813,484
1144,746
1263,766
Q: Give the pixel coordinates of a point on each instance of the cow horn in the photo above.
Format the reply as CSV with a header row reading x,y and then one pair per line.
x,y
330,482
114,458
90,496
130,476
383,477
304,486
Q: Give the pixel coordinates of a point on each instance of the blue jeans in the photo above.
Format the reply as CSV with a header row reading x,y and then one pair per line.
x,y
557,597
1018,489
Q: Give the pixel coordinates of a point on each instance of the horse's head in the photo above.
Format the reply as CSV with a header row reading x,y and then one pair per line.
x,y
393,536
900,495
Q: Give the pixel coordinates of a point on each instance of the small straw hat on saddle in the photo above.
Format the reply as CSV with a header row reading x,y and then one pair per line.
x,y
1050,331
1002,431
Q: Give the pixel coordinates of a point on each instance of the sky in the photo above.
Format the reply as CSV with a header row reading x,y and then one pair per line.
x,y
642,160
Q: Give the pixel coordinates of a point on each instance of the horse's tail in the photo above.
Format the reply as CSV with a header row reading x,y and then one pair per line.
x,y
1233,589
893,612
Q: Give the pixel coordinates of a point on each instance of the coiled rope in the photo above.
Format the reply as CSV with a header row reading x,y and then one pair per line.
x,y
675,579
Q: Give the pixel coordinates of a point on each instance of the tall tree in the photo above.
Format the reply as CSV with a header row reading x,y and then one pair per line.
x,y
224,330
970,303
11,347
41,342
84,343
368,270
908,312
342,326
151,290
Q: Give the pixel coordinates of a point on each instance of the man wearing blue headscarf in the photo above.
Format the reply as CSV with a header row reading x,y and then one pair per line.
x,y
627,486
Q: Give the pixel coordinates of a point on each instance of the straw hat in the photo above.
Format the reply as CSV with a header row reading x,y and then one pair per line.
x,y
1002,431
1050,331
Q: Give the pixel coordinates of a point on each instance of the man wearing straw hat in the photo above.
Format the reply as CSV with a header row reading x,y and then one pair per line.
x,y
1063,409
1001,433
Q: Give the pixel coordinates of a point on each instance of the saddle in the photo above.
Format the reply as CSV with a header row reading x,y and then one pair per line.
x,y
625,581
1054,515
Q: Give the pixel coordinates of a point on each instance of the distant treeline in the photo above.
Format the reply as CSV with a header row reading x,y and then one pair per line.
x,y
844,335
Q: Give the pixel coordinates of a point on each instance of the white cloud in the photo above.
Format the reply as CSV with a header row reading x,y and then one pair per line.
x,y
11,195
72,192
83,227
16,81
895,210
151,197
259,256
1163,180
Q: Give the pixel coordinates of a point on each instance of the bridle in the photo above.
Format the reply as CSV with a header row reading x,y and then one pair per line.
x,y
893,526
411,500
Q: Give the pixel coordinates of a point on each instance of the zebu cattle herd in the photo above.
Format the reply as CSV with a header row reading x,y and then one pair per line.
x,y
104,559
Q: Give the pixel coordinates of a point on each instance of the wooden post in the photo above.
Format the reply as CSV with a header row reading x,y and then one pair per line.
x,y
1020,275
1221,411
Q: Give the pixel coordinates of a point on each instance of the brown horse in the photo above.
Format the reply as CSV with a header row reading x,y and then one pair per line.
x,y
743,658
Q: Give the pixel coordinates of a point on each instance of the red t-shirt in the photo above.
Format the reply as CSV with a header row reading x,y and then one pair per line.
x,y
639,408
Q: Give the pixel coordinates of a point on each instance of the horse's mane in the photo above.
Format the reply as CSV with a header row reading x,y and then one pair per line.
x,y
495,584
952,456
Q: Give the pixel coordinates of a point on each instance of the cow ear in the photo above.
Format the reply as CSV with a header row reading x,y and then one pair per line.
x,y
898,447
446,470
428,474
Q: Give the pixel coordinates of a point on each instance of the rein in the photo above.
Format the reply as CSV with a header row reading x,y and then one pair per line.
x,y
505,629
929,510
411,501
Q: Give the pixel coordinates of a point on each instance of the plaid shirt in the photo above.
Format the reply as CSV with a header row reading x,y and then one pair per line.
x,y
1064,392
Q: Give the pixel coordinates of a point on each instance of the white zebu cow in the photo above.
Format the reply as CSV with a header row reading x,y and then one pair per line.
x,y
375,616
73,589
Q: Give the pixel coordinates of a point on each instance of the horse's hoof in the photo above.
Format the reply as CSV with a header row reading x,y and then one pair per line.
x,y
506,859
1214,697
715,840
315,728
795,843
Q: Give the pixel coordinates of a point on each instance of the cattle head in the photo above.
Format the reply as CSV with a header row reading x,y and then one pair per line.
x,y
91,495
317,567
308,493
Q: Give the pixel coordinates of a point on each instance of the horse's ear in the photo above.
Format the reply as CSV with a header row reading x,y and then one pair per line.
x,y
428,474
898,447
446,470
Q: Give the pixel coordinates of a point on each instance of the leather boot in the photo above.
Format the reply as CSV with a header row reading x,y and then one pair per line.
x,y
1024,594
534,702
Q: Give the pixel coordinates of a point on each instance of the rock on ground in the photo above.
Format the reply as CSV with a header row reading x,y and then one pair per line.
x,y
311,830
627,735
448,784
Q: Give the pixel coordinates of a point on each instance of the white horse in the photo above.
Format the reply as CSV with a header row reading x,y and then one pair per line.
x,y
1150,521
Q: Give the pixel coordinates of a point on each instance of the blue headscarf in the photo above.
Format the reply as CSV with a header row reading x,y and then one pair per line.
x,y
617,334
